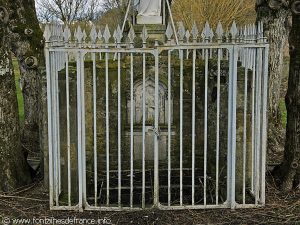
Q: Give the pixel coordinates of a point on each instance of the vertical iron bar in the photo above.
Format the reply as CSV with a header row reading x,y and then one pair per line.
x,y
231,154
255,129
95,128
229,134
56,118
57,61
54,126
218,125
50,122
246,52
83,155
156,159
258,126
169,127
144,132
68,127
205,123
119,133
193,125
233,128
181,126
131,130
79,122
253,120
264,124
107,128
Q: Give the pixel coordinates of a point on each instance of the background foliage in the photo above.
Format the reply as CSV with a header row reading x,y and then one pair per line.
x,y
213,11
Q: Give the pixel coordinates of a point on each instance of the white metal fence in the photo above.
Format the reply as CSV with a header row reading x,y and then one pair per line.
x,y
100,161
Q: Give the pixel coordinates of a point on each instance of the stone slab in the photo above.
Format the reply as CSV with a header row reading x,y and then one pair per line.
x,y
149,19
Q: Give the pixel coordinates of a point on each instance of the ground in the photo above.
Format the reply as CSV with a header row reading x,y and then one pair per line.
x,y
32,202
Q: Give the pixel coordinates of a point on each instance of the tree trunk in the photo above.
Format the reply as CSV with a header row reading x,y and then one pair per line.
x,y
28,48
289,171
14,170
274,18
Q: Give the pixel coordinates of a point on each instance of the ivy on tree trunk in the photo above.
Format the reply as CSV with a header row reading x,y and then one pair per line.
x,y
274,15
289,171
28,49
14,170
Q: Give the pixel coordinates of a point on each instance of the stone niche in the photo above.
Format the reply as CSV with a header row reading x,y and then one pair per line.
x,y
149,118
163,120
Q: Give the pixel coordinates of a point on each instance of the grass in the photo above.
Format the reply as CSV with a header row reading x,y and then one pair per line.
x,y
19,92
283,112
283,90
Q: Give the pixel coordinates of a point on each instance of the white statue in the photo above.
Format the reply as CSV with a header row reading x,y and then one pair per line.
x,y
149,8
149,11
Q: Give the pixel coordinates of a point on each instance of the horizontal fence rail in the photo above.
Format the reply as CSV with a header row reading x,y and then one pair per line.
x,y
139,123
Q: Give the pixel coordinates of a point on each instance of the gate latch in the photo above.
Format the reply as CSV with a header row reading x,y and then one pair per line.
x,y
156,132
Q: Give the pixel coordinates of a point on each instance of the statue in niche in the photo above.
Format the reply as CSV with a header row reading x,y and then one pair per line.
x,y
163,114
149,103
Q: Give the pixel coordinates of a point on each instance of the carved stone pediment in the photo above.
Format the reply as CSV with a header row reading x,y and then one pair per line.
x,y
149,102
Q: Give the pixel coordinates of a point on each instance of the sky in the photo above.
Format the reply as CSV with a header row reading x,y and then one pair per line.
x,y
44,14
38,1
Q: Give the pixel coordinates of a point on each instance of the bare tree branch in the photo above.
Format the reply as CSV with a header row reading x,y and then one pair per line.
x,y
68,11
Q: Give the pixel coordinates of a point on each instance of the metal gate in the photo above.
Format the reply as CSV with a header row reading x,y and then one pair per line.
x,y
140,123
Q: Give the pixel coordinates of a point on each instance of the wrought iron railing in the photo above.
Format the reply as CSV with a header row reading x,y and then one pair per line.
x,y
211,151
